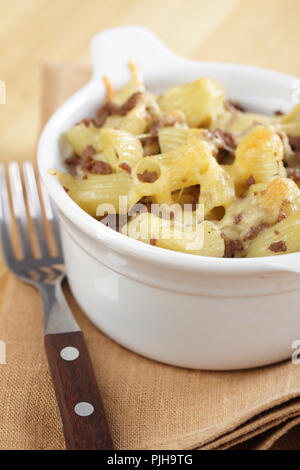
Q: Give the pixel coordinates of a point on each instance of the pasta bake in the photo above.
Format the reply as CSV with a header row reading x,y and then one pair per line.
x,y
189,170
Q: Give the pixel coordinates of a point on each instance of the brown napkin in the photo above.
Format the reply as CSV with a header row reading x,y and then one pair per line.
x,y
149,405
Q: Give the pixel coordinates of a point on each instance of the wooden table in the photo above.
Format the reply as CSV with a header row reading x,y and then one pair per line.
x,y
258,32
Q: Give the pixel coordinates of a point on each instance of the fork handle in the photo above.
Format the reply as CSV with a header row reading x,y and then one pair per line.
x,y
81,409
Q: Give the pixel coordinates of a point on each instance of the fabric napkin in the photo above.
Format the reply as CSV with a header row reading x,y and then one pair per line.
x,y
149,405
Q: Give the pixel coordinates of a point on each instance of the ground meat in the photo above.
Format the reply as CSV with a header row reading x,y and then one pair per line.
x,y
110,108
102,114
153,241
224,157
250,180
125,167
149,140
238,218
234,106
128,105
96,167
294,142
278,112
146,202
295,146
86,121
148,176
154,127
254,231
227,138
276,232
281,217
231,246
101,168
160,122
86,163
226,145
89,151
195,193
294,174
72,163
278,246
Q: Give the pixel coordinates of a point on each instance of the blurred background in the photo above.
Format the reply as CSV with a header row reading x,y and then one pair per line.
x,y
257,32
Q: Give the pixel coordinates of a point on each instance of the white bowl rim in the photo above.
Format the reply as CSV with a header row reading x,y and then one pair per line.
x,y
135,248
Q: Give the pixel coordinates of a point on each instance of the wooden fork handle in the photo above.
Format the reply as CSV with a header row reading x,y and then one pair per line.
x,y
81,409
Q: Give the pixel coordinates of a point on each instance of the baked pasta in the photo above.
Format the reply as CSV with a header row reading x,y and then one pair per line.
x,y
189,170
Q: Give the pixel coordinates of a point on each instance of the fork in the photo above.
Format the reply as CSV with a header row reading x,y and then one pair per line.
x,y
81,410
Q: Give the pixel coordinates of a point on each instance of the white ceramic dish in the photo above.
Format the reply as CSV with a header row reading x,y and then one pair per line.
x,y
180,309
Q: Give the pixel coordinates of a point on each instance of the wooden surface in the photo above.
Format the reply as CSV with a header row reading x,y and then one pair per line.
x,y
258,32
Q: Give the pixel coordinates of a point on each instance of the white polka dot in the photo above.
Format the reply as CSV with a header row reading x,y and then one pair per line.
x,y
69,353
84,409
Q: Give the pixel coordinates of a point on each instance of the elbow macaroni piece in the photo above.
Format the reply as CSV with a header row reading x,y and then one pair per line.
x,y
120,146
95,190
201,101
206,240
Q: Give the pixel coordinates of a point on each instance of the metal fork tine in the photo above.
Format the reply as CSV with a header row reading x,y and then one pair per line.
x,y
34,205
5,223
19,206
51,216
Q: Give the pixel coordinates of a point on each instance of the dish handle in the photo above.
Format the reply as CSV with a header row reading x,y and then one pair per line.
x,y
111,49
